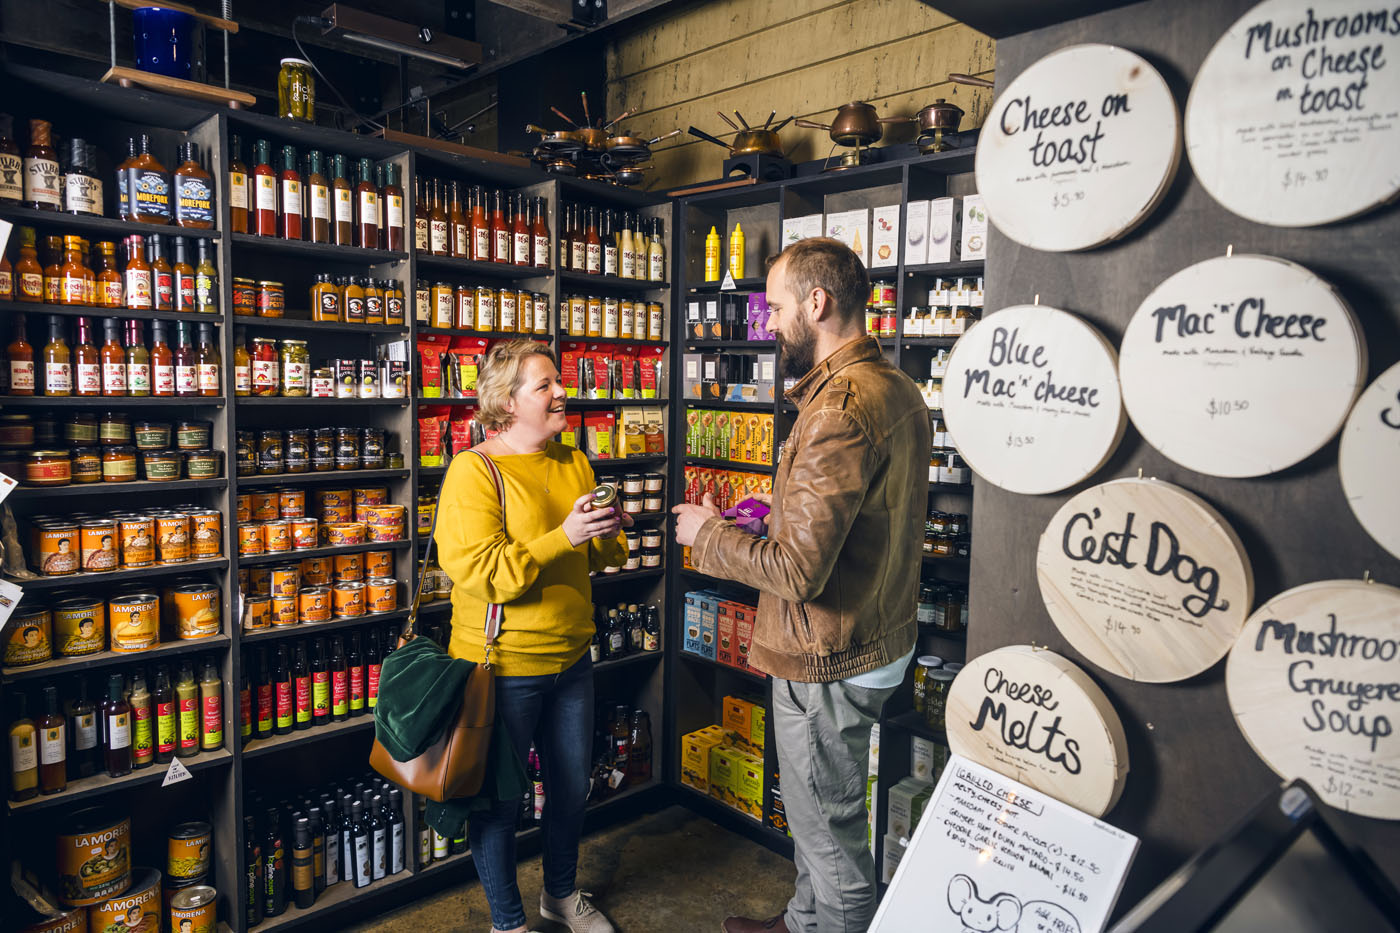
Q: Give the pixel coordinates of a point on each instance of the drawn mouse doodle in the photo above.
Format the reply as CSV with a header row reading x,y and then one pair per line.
x,y
1005,912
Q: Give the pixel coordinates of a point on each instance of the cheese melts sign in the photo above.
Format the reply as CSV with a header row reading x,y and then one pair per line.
x,y
1144,579
1292,120
1031,394
1241,366
1034,716
1078,149
1314,685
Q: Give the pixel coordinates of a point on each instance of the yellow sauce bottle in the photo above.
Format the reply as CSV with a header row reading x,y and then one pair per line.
x,y
712,256
736,252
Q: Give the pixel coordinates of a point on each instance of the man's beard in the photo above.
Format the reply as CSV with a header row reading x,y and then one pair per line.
x,y
798,352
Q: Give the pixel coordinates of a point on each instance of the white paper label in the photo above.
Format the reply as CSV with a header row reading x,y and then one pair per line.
x,y
119,730
51,745
238,190
266,193
176,773
320,203
24,755
344,206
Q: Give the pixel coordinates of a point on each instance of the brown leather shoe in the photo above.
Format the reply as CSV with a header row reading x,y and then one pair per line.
x,y
776,924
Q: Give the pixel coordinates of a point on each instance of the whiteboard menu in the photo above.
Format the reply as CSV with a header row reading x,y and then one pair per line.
x,y
1292,116
1078,149
1369,460
1031,393
992,855
1241,365
1314,685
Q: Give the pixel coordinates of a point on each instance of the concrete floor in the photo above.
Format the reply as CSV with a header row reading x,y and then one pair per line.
x,y
669,871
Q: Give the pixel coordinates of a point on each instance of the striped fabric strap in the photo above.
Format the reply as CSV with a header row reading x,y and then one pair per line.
x,y
495,611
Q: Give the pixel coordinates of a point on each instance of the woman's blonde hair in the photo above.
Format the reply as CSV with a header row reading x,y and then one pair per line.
x,y
500,377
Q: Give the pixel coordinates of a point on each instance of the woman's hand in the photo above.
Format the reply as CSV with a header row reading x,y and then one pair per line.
x,y
585,524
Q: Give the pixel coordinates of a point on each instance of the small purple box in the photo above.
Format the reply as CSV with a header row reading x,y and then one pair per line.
x,y
751,516
758,317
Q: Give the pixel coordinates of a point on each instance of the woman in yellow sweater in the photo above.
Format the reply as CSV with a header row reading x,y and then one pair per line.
x,y
537,567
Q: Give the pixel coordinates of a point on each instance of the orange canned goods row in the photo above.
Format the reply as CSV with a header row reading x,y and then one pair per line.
x,y
334,499
316,571
348,568
370,495
172,537
277,536
379,563
264,506
284,580
305,533
384,534
381,514
292,502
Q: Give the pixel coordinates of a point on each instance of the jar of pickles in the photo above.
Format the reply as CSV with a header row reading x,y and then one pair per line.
x,y
270,453
296,91
296,369
937,683
323,450
267,377
925,665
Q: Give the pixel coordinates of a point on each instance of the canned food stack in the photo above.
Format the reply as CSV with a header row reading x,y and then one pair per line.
x,y
348,299
272,368
47,450
313,450
504,309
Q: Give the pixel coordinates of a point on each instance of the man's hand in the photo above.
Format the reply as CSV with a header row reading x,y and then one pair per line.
x,y
689,518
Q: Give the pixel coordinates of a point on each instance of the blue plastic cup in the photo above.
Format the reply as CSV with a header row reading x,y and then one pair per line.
x,y
163,41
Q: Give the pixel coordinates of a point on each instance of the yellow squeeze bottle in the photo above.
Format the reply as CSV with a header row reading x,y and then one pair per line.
x,y
736,252
712,256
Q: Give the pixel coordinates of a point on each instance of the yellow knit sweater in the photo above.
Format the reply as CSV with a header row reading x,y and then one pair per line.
x,y
530,568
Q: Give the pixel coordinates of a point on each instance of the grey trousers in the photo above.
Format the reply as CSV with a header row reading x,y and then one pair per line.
x,y
823,736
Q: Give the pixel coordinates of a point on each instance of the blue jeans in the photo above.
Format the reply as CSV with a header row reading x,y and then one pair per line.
x,y
556,711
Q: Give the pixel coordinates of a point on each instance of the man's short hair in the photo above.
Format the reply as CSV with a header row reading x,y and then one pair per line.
x,y
832,266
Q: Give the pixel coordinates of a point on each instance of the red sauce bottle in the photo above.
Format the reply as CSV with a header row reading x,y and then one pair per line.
x,y
520,234
481,232
367,206
290,192
500,231
540,253
264,192
162,362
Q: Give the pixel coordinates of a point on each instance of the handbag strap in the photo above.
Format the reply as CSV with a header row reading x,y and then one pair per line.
x,y
495,612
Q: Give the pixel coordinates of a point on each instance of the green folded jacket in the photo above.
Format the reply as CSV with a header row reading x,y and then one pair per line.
x,y
420,691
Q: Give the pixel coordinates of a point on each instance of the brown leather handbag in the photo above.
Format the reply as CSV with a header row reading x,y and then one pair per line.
x,y
455,765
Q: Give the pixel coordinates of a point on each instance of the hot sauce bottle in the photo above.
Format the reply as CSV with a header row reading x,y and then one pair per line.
x,y
439,224
109,277
367,206
500,230
592,246
148,188
7,279
382,226
113,356
206,282
238,187
162,362
74,279
264,191
162,276
53,745
82,190
520,234
290,191
139,285
87,362
58,362
53,271
124,180
186,362
116,729
183,274
194,191
578,240
138,362
420,216
343,223
208,362
29,275
242,363
41,173
11,164
460,221
20,353
319,191
540,235
481,232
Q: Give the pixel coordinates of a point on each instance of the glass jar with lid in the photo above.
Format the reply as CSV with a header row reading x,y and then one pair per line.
x,y
372,448
296,450
270,453
936,686
296,369
323,450
266,367
245,452
347,449
927,602
954,615
114,429
923,666
296,91
78,430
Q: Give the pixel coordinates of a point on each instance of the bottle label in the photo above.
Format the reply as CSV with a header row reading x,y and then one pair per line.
x,y
291,197
85,732
396,849
508,312
592,258
296,376
189,723
629,264
52,749
521,244
420,233
340,694
138,289
264,374
149,192
213,734
284,704
320,203
11,182
165,290
610,260
654,324
208,377
164,380
576,255
142,748
7,285
437,237
31,286
41,181
238,190
541,316
119,731
461,239
303,688
82,194
502,246
24,756
194,200
53,289
354,309
186,380
364,871
372,684
266,192
113,378
22,375
184,292
541,250
266,710
381,854
138,378
204,286
394,312
332,860
242,379
658,267
110,294
320,693
395,210
357,687
57,378
481,244
369,207
344,206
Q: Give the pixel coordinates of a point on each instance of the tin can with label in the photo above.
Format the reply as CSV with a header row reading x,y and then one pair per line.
x,y
138,535
135,621
349,568
257,613
379,563
194,910
266,506
369,378
316,571
286,580
259,581
206,534
344,533
347,378
393,379
335,498
191,853
382,514
348,600
383,534
94,857
72,921
305,532
31,637
172,537
58,548
79,627
382,594
197,611
243,511
136,909
100,551
369,495
250,539
337,514
315,603
292,502
284,610
278,536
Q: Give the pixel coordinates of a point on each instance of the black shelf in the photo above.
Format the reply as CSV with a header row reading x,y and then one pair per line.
x,y
311,328
121,576
971,267
757,346
327,476
445,401
435,606
729,465
926,341
277,401
281,556
111,401
102,784
256,748
304,250
628,660
564,336
601,579
102,659
313,629
957,489
487,334
614,402
624,463
24,493
495,270
915,724
751,283
75,223
717,581
731,406
613,282
35,309
932,560
754,676
430,470
736,820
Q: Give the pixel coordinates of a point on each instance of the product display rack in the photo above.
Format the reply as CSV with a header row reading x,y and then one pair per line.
x,y
697,685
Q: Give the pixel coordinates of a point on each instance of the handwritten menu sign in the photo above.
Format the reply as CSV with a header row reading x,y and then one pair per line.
x,y
1241,366
1034,716
1078,149
1144,579
1369,460
1031,393
1294,117
1314,684
992,855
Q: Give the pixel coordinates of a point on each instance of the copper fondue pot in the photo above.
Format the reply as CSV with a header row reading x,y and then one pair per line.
x,y
855,124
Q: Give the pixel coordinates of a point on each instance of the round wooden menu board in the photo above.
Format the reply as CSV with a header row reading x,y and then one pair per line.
x,y
1241,366
1078,149
1031,393
1314,685
1291,118
1369,460
1144,579
1034,716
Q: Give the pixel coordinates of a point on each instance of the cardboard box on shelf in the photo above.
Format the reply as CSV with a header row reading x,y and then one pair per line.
x,y
765,376
709,624
894,850
714,327
974,228
691,618
694,321
725,761
633,433
812,225
884,236
737,716
748,785
852,228
758,726
916,233
743,638
690,376
726,644
695,757
944,227
654,430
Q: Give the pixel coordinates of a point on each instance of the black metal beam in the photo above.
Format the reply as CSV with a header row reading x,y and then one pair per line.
x,y
1001,18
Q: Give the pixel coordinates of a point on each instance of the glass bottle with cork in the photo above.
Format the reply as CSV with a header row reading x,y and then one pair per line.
x,y
392,198
439,223
319,191
289,191
342,204
265,185
41,170
367,206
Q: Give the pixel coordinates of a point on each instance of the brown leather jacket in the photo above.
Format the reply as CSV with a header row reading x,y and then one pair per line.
x,y
838,574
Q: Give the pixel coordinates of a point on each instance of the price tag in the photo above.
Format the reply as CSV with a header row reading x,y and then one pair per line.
x,y
7,486
728,284
176,773
10,595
